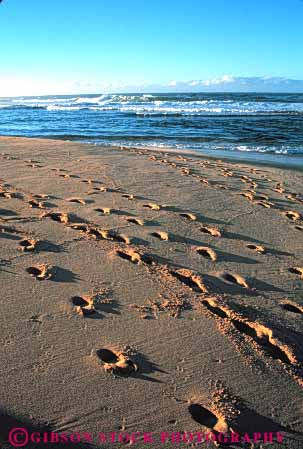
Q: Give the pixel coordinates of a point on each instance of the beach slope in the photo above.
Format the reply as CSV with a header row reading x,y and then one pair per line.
x,y
149,292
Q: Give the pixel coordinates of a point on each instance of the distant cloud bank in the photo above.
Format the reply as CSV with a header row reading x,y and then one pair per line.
x,y
228,83
225,83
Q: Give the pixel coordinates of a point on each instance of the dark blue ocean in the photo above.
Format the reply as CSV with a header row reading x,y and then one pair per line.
x,y
231,123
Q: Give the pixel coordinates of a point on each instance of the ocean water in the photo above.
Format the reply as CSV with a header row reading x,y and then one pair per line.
x,y
230,123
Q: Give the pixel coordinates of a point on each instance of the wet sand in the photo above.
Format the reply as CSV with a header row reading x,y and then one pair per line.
x,y
149,291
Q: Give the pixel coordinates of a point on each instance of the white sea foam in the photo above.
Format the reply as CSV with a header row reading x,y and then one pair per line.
x,y
148,104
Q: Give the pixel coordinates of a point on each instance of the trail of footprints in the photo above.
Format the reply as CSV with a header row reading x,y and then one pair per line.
x,y
121,363
262,335
133,256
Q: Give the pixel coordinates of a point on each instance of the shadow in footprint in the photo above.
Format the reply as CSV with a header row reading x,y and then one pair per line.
x,y
47,246
205,219
291,308
49,204
203,416
146,368
142,198
73,218
136,366
122,212
218,285
5,235
264,286
95,309
8,212
181,239
64,275
112,190
151,223
5,263
173,209
229,257
154,259
250,422
111,307
289,335
276,252
140,242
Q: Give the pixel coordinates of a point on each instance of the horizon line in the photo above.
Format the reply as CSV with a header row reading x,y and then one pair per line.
x,y
158,92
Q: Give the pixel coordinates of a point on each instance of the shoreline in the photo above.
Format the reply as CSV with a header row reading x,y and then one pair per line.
x,y
251,158
149,292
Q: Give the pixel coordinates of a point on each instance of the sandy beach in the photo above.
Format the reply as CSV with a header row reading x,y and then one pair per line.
x,y
149,291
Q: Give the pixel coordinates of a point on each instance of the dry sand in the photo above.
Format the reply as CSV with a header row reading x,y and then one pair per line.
x,y
149,292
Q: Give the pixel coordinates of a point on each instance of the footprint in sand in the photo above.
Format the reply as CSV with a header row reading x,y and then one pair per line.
x,y
36,204
127,196
33,165
297,270
113,235
265,204
207,418
263,197
161,235
103,234
130,255
104,210
185,171
41,196
152,206
61,217
58,169
235,278
97,233
7,194
41,272
290,307
207,252
77,200
189,216
247,195
290,197
262,335
84,305
136,221
116,363
212,231
257,248
191,280
227,174
100,189
79,226
8,230
245,178
292,215
28,244
279,190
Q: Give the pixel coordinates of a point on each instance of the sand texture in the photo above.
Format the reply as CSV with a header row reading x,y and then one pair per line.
x,y
150,292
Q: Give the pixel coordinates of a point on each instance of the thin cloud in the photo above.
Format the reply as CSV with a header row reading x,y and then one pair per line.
x,y
225,83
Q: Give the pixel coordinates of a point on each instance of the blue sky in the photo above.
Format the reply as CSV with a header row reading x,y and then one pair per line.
x,y
96,45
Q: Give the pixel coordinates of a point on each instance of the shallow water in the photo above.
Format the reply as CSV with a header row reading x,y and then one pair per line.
x,y
236,124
